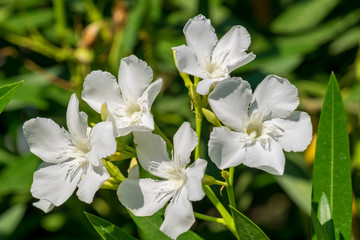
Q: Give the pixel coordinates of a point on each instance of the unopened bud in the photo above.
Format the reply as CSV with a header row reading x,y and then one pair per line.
x,y
103,112
208,180
211,117
113,170
89,35
84,55
225,174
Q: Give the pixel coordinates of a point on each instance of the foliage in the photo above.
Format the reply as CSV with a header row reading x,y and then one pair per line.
x,y
53,45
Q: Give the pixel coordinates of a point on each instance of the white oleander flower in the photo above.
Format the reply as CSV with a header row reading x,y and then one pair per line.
x,y
180,184
71,158
209,58
262,124
129,100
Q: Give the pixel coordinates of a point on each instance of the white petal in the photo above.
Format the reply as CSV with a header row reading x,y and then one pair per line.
x,y
102,142
200,37
146,124
44,205
236,41
76,121
185,141
101,87
241,62
297,131
230,101
271,160
134,77
179,215
195,173
187,61
275,97
91,181
143,197
151,92
55,183
46,139
226,147
204,85
150,148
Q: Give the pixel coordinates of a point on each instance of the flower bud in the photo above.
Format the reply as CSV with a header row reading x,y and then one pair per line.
x,y
208,180
225,174
211,117
103,112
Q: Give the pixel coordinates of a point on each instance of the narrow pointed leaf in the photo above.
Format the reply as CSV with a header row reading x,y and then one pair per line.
x,y
107,230
324,216
331,173
7,92
320,232
245,228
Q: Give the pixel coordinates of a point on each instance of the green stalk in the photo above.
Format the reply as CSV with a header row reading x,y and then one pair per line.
x,y
209,218
41,47
230,187
223,212
198,120
60,18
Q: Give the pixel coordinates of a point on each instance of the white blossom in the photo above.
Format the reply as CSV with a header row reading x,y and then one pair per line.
x,y
180,184
209,58
129,100
259,125
71,158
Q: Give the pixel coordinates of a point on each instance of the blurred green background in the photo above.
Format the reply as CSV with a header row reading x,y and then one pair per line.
x,y
53,45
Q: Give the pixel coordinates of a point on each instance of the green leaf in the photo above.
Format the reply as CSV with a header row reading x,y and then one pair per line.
x,y
324,216
302,15
18,175
7,92
10,219
331,173
19,23
107,230
151,227
319,230
246,228
346,41
297,185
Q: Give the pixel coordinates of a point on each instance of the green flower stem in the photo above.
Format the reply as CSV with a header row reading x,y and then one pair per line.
x,y
209,218
196,80
40,46
158,131
210,180
60,17
230,187
198,120
223,212
221,183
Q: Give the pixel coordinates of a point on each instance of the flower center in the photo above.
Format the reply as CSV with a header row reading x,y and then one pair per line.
x,y
168,170
132,111
254,129
129,113
216,67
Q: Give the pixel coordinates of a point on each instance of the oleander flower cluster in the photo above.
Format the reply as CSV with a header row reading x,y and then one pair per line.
x,y
256,127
